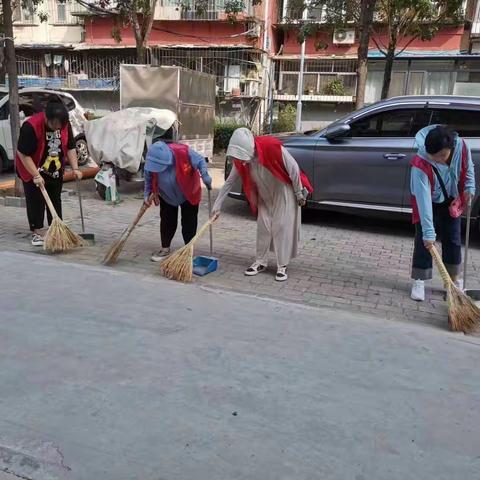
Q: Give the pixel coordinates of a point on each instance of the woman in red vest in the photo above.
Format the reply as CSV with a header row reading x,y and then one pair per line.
x,y
45,144
442,183
172,174
276,188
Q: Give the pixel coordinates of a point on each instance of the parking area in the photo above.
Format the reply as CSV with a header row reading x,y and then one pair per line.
x,y
345,262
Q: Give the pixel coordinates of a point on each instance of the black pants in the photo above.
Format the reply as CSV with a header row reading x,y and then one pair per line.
x,y
36,203
169,221
449,232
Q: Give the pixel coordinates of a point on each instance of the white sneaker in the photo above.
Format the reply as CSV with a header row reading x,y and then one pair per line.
x,y
281,275
418,291
160,255
459,283
37,240
255,269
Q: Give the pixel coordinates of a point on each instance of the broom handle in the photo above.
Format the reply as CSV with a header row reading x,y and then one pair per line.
x,y
467,243
140,213
48,202
210,216
441,267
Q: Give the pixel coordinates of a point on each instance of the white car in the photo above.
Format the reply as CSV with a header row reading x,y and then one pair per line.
x,y
31,101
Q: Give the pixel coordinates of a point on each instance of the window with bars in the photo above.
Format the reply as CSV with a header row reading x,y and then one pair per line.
x,y
321,77
24,12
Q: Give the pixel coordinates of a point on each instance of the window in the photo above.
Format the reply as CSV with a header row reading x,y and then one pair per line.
x,y
393,123
24,13
61,11
465,122
68,102
415,83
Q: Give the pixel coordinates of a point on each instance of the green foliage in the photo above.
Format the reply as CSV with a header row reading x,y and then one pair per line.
x,y
335,87
223,132
286,119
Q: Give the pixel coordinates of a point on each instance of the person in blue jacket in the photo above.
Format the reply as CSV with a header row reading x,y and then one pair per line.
x,y
172,174
442,172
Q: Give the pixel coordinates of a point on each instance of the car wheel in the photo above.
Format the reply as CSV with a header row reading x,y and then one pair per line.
x,y
82,151
101,190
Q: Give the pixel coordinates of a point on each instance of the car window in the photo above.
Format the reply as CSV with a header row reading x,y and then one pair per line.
x,y
392,123
465,122
68,102
5,111
25,104
40,100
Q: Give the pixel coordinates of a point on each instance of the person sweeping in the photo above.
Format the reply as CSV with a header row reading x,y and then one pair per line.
x,y
172,174
276,189
442,184
46,143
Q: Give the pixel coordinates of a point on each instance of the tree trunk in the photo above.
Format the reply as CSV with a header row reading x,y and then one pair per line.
x,y
11,68
387,78
366,20
141,53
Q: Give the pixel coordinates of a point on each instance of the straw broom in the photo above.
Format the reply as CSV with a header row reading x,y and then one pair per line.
x,y
464,314
179,265
59,237
116,248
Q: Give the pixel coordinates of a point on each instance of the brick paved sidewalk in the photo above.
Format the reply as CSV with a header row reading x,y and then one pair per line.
x,y
345,261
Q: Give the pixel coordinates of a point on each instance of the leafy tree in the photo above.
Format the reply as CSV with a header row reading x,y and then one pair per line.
x,y
340,13
138,14
407,20
10,62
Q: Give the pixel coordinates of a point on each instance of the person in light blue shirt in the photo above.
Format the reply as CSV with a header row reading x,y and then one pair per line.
x,y
442,173
162,179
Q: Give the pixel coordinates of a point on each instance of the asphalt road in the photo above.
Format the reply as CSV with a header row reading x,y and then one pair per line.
x,y
142,378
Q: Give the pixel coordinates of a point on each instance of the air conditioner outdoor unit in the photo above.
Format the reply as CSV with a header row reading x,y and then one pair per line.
x,y
343,36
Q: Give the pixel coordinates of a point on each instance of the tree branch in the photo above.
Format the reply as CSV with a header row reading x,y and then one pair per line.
x,y
382,48
406,46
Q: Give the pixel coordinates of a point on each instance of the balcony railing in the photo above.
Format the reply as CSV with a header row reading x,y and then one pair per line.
x,y
200,10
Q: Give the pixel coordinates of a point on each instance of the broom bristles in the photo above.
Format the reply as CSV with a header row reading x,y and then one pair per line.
x,y
179,265
60,238
115,249
463,312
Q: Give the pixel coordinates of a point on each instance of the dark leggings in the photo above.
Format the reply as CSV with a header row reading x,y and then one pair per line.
x,y
449,232
169,221
36,203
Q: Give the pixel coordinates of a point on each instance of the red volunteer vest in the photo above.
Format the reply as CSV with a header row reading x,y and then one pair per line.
x,y
426,168
37,121
269,152
188,178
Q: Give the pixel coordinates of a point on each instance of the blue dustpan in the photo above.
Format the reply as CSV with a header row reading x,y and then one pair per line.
x,y
204,265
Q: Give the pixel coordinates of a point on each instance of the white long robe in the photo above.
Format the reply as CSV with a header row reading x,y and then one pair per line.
x,y
279,216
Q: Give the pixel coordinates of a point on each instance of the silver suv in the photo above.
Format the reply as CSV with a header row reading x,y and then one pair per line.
x,y
361,162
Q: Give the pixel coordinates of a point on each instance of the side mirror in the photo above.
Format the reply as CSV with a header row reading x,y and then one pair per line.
x,y
336,131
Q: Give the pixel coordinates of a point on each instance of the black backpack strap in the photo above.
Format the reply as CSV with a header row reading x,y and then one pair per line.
x,y
442,185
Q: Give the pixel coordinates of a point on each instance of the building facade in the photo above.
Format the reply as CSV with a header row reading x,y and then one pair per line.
x,y
255,56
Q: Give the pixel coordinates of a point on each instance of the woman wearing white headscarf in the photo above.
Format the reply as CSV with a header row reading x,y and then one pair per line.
x,y
272,182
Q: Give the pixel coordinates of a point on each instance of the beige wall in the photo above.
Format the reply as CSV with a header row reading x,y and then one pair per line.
x,y
52,31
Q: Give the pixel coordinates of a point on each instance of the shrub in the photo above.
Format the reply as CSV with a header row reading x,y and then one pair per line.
x,y
223,132
286,119
335,87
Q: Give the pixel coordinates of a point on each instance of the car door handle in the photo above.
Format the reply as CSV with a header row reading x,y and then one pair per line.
x,y
394,156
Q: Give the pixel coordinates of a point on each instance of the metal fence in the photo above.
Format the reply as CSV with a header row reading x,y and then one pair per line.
x,y
322,77
67,69
210,10
238,71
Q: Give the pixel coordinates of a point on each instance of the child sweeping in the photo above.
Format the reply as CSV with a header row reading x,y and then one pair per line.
x,y
275,188
172,174
442,183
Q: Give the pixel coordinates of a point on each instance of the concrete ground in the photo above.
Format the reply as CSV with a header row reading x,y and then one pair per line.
x,y
141,378
345,262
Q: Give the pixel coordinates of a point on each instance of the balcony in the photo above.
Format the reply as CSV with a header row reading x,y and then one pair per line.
x,y
323,81
203,10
